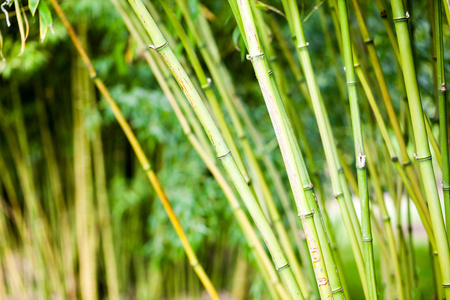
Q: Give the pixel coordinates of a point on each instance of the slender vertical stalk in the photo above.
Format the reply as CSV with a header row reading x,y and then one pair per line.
x,y
287,143
143,160
340,187
443,110
423,155
359,151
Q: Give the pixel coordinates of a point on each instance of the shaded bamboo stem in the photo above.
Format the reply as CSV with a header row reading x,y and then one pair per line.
x,y
443,109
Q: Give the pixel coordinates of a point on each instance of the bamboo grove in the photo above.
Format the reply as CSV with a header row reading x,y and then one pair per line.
x,y
240,149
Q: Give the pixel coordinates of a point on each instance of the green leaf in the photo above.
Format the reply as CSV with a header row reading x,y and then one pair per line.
x,y
33,5
45,19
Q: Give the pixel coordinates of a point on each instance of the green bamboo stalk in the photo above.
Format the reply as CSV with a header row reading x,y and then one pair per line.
x,y
359,151
389,233
249,232
333,274
195,123
384,89
443,110
389,28
338,179
221,148
257,140
219,84
287,143
143,160
324,125
423,155
434,143
206,85
421,207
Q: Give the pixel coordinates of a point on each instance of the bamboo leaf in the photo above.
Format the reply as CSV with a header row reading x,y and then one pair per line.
x,y
20,23
45,20
33,5
1,47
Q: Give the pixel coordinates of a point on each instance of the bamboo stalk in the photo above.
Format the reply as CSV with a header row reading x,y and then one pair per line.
x,y
340,187
221,148
423,156
237,209
287,144
443,110
359,151
143,160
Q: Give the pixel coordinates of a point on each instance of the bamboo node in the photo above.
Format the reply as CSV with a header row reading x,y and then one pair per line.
x,y
224,155
361,161
207,85
93,75
236,208
158,48
303,217
446,285
402,19
194,263
341,289
369,40
367,239
270,72
445,186
338,195
274,281
421,159
303,47
282,267
394,159
146,167
351,83
254,57
308,187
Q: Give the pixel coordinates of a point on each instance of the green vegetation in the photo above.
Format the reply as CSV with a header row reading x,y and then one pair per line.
x,y
299,149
